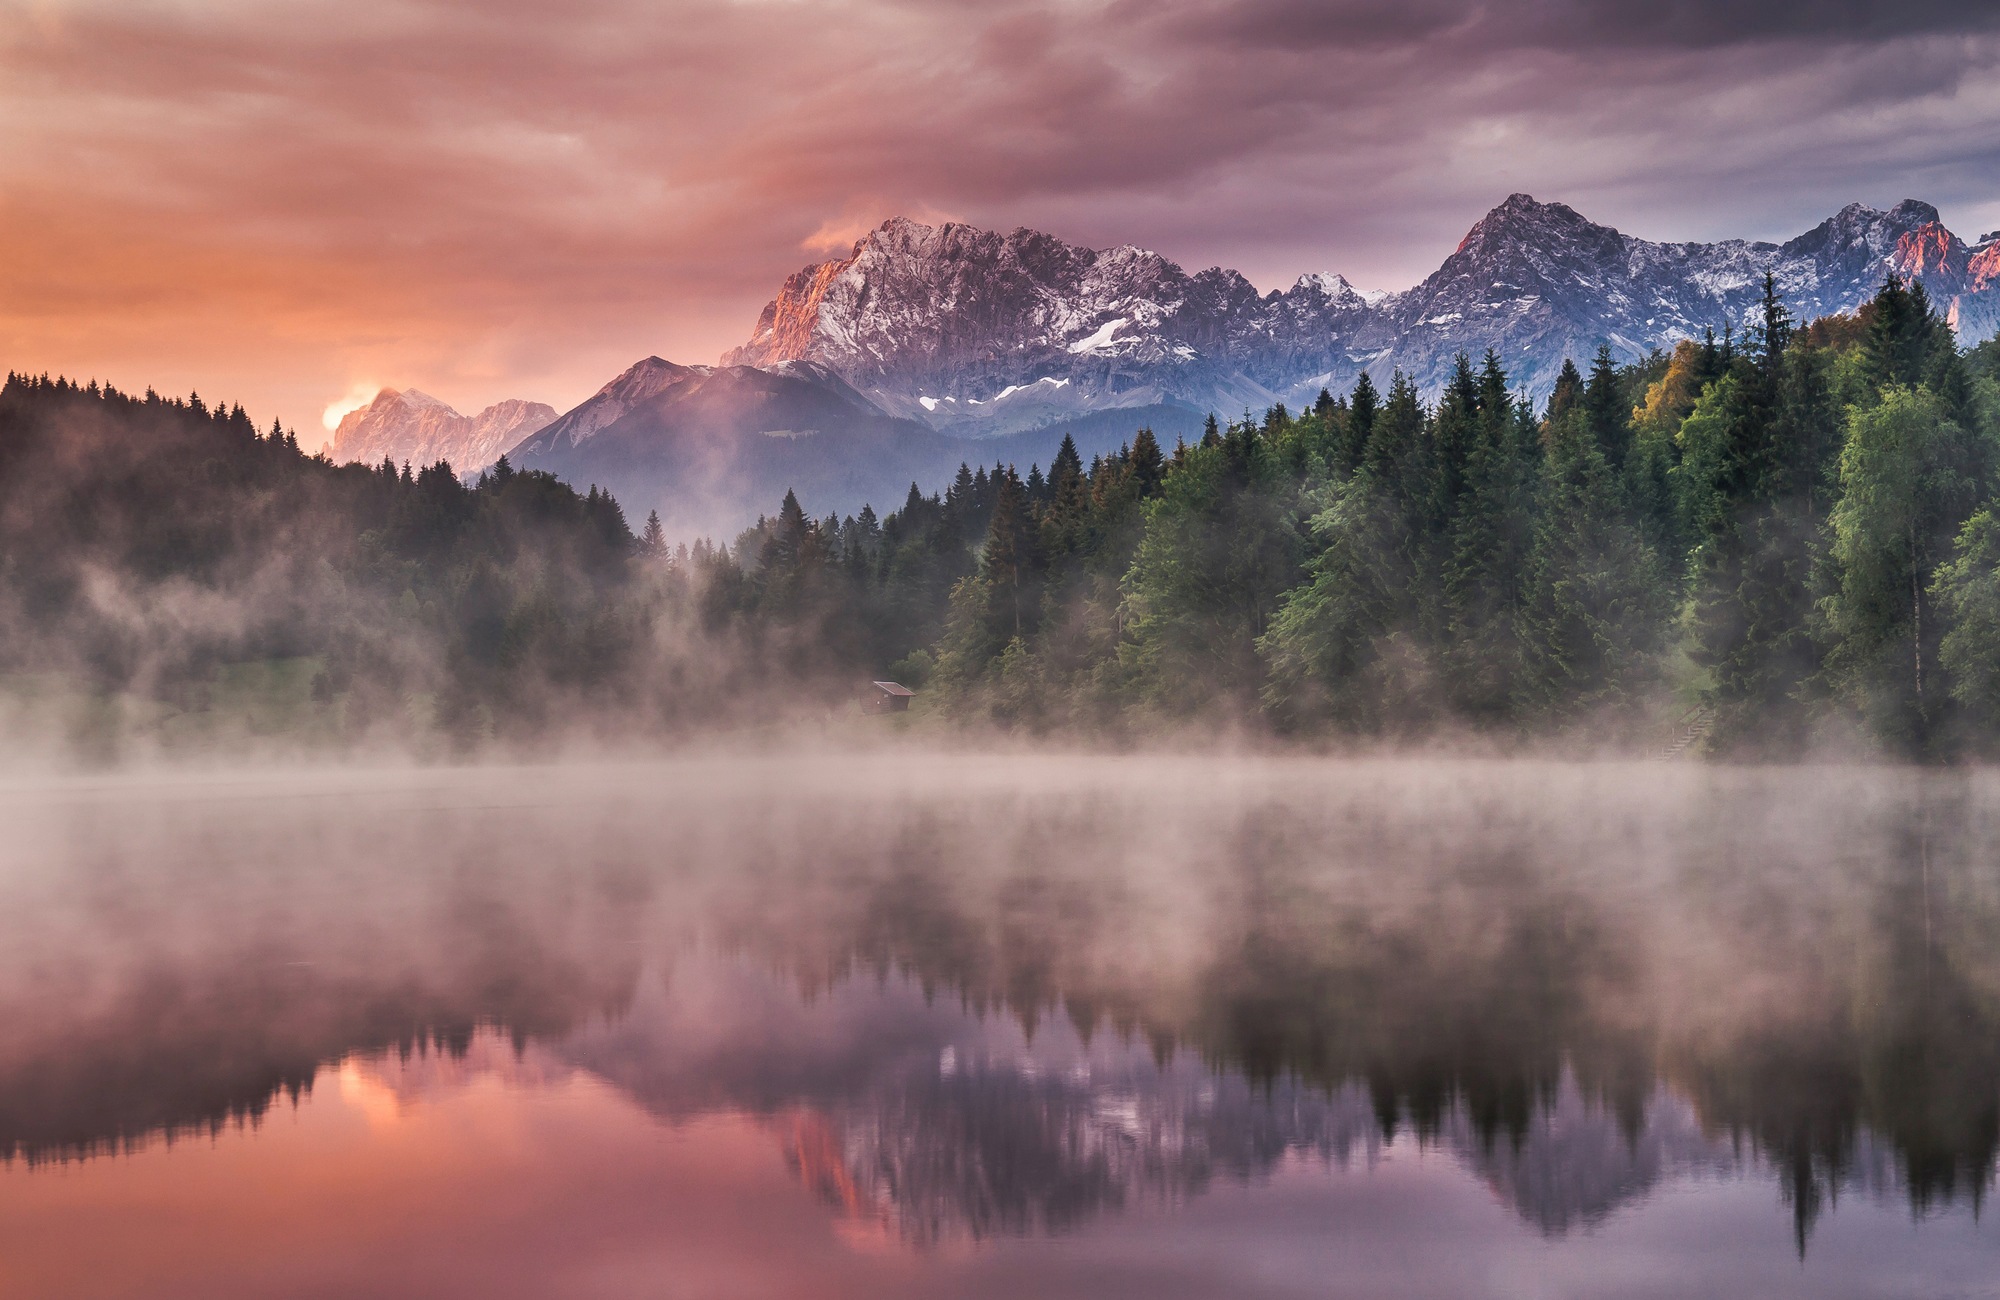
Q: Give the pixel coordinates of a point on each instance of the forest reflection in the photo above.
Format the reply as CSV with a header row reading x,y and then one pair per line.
x,y
978,997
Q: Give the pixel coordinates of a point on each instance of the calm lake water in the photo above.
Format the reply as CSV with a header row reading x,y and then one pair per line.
x,y
886,1026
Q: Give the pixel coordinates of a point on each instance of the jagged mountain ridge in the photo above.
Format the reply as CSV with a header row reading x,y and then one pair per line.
x,y
930,346
976,332
412,427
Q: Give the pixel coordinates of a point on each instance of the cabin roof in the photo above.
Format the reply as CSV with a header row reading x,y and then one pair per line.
x,y
892,688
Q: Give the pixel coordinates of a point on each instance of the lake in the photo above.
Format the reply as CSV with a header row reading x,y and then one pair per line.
x,y
892,1025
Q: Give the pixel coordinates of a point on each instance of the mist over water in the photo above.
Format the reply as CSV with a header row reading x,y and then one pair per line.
x,y
898,1023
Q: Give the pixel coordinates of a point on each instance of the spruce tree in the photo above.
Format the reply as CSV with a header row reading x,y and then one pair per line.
x,y
1609,411
1567,392
1147,464
1596,607
1010,561
1755,559
1487,534
1361,409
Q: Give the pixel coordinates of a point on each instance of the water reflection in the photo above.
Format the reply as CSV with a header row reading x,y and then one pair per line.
x,y
968,1000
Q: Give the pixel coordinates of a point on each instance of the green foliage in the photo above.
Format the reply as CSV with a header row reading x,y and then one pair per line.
x,y
1905,494
1596,606
1488,519
1341,645
1967,591
1221,546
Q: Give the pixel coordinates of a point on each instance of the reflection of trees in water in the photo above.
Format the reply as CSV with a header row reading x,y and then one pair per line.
x,y
177,1061
1511,977
1824,990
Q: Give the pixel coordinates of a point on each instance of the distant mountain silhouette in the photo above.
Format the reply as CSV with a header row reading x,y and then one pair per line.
x,y
413,428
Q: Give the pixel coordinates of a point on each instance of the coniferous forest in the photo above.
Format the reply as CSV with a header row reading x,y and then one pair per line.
x,y
1759,544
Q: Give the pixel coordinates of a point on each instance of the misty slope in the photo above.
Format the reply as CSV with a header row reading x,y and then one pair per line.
x,y
978,333
417,429
713,447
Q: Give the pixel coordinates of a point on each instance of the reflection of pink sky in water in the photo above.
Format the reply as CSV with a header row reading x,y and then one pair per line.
x,y
531,1173
633,1113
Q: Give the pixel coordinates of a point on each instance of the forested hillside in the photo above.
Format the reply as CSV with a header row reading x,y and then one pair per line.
x,y
1772,542
1787,538
172,577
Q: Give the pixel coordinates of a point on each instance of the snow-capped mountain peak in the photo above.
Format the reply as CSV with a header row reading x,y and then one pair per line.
x,y
937,322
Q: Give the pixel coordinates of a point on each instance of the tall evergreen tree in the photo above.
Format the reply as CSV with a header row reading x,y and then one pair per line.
x,y
1754,565
1360,426
1608,409
1596,604
1567,393
1148,466
1487,540
1010,561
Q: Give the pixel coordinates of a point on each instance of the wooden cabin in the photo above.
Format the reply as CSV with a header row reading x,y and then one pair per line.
x,y
886,697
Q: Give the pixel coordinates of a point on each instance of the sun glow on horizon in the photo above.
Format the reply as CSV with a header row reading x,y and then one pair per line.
x,y
358,395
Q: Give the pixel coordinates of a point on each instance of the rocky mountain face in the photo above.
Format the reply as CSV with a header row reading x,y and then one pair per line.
x,y
928,346
978,333
416,428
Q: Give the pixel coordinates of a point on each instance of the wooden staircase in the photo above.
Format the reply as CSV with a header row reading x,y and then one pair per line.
x,y
1691,730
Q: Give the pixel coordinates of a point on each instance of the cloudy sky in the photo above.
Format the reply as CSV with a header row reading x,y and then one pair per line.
x,y
285,201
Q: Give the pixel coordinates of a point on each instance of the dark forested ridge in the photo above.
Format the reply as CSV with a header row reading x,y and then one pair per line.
x,y
1767,542
170,574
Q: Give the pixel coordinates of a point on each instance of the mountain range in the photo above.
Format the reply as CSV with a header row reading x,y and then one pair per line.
x,y
978,332
416,428
930,345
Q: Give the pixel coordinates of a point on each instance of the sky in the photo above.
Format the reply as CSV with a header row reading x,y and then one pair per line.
x,y
291,203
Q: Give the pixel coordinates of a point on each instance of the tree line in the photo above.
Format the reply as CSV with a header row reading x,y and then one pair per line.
x,y
1789,535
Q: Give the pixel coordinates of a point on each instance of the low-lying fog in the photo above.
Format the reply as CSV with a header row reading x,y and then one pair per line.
x,y
984,999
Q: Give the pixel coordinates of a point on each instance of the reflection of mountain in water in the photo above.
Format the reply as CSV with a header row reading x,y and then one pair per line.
x,y
940,1124
1539,969
1000,1150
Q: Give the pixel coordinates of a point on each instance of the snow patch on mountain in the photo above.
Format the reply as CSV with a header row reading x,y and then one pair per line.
x,y
955,325
1099,339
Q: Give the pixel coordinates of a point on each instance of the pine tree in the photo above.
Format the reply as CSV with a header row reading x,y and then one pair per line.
x,y
1902,337
783,549
1567,393
1361,409
1487,535
653,542
1609,411
1010,561
1147,465
1065,521
1596,607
